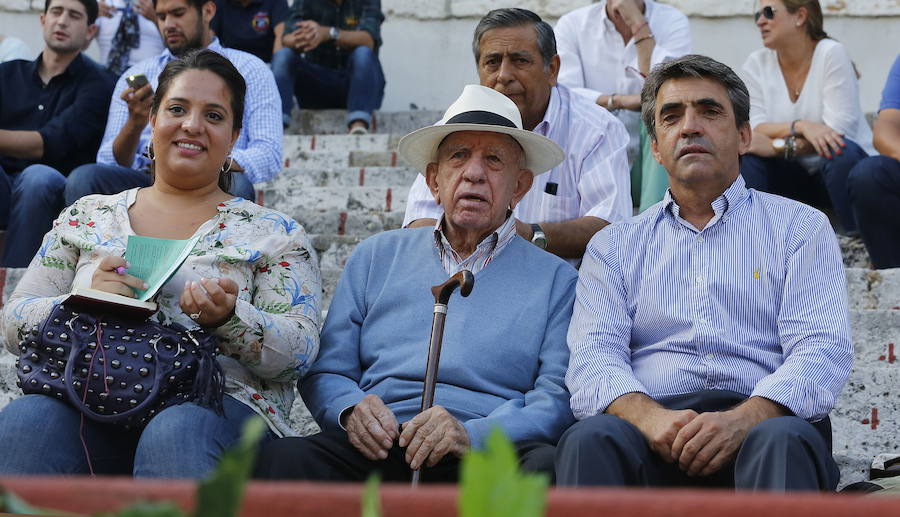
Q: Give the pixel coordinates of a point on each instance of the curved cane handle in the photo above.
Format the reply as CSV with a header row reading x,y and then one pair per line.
x,y
464,279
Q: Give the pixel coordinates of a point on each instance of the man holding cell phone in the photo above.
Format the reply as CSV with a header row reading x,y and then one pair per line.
x,y
122,161
52,112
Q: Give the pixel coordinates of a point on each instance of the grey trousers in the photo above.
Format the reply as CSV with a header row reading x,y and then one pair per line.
x,y
780,454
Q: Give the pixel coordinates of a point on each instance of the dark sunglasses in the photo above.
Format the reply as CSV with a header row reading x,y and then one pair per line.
x,y
767,11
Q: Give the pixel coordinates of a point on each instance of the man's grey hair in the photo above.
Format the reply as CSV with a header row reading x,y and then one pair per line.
x,y
700,67
516,17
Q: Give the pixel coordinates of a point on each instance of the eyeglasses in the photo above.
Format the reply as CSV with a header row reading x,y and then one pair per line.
x,y
767,11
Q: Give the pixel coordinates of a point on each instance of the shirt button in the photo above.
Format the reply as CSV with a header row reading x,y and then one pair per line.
x,y
702,320
41,107
709,356
699,238
699,280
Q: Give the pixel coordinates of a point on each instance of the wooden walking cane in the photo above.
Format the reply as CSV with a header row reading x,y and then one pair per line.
x,y
465,280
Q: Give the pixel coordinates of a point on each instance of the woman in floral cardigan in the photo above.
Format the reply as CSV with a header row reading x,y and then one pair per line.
x,y
251,279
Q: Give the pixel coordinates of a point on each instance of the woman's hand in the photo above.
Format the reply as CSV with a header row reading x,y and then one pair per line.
x,y
823,139
210,302
110,276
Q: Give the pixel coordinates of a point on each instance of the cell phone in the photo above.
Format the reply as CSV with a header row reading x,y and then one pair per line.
x,y
137,81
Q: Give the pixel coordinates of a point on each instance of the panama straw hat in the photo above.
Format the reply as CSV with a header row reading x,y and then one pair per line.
x,y
481,109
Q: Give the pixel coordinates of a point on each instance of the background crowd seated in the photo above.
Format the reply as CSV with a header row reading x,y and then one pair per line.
x,y
809,127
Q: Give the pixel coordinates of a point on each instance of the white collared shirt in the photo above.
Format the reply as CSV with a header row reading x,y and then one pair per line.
x,y
594,60
593,180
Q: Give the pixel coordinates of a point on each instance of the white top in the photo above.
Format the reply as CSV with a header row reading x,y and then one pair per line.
x,y
14,48
151,43
595,61
830,94
593,180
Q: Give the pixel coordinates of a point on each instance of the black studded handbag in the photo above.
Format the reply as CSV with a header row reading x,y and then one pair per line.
x,y
118,369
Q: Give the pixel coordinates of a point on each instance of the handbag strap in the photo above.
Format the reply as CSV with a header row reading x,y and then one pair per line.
x,y
75,398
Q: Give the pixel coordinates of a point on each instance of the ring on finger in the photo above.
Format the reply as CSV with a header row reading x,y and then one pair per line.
x,y
195,315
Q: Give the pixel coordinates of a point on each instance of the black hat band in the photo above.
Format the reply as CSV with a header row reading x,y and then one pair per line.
x,y
481,117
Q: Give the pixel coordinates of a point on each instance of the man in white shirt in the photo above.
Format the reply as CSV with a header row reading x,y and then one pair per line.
x,y
515,52
606,49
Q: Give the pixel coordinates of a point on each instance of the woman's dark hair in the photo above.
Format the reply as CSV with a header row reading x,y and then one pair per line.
x,y
218,64
814,20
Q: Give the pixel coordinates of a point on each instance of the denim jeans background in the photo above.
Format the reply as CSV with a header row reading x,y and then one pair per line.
x,y
29,202
359,88
185,441
101,178
790,179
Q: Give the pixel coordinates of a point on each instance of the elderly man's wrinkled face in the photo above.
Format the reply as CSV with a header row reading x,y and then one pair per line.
x,y
477,177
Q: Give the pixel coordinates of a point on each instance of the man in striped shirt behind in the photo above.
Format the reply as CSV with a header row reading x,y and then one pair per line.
x,y
710,335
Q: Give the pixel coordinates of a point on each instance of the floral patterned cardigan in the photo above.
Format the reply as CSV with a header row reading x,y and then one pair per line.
x,y
267,345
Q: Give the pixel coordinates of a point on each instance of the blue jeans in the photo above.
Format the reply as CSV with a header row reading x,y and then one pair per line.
x,y
790,179
875,195
359,88
42,437
102,178
29,202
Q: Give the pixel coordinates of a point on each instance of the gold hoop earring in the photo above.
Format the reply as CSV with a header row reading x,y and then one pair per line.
x,y
225,169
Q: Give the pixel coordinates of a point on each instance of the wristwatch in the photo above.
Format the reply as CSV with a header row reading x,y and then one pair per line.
x,y
778,144
539,238
334,32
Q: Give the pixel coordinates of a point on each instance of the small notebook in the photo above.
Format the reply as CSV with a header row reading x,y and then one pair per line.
x,y
152,260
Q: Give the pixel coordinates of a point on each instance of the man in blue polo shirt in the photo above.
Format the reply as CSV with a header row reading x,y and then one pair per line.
x,y
875,181
330,59
52,112
254,26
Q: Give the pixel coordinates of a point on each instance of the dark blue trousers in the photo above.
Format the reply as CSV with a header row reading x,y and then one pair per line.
x,y
29,202
780,454
359,88
875,197
790,179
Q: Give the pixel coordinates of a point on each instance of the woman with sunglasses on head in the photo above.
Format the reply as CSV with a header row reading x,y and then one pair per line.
x,y
251,280
808,127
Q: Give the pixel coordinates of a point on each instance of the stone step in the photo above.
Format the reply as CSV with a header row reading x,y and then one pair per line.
x,y
873,289
301,177
315,206
323,143
315,122
305,159
876,339
867,414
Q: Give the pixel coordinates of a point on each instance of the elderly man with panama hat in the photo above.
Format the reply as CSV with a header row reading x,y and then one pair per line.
x,y
504,351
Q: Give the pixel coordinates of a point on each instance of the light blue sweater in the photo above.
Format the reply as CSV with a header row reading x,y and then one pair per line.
x,y
504,354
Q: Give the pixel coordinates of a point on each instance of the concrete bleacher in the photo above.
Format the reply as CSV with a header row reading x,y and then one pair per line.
x,y
345,188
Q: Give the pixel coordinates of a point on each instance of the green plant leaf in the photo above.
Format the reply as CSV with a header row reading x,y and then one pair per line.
x,y
221,493
371,501
491,484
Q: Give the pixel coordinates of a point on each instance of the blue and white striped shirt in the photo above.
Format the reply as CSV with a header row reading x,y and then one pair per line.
x,y
258,148
484,253
755,303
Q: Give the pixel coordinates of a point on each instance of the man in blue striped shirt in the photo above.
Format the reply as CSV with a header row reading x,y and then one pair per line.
x,y
710,335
